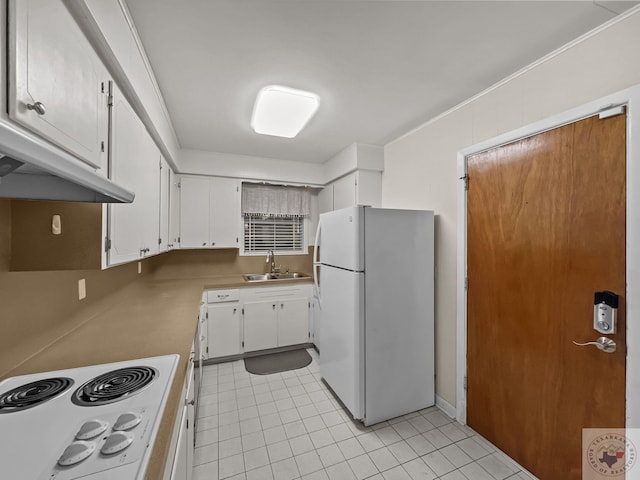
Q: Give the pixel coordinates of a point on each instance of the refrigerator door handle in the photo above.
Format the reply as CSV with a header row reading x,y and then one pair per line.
x,y
316,264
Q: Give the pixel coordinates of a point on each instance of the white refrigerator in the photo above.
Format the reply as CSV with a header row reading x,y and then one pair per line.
x,y
374,278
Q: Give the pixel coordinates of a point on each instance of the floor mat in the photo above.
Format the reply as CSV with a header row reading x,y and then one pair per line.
x,y
277,362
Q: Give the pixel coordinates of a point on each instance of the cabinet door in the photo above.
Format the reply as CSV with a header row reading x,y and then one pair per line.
x,y
344,192
174,210
54,64
325,199
225,213
293,321
165,187
127,168
194,212
150,188
179,471
369,188
260,326
223,333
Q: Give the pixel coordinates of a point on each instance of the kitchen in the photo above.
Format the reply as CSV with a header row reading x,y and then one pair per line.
x,y
579,73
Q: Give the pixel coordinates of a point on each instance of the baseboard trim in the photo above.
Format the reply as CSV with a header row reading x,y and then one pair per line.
x,y
446,407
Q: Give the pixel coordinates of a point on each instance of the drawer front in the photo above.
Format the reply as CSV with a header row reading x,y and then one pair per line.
x,y
276,293
219,296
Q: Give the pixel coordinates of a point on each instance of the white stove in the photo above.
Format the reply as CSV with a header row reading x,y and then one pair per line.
x,y
94,423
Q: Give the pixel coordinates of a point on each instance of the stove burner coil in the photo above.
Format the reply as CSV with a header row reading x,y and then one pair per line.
x,y
32,394
114,386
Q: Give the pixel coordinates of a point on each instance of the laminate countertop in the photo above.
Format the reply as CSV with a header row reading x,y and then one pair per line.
x,y
147,318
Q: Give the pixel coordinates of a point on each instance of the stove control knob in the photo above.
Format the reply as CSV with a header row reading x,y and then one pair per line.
x,y
116,442
76,452
127,421
91,429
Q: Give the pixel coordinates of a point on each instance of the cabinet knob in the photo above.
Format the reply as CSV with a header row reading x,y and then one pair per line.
x,y
204,244
213,243
38,107
273,306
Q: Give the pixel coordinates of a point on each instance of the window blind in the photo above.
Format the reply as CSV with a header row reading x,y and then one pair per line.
x,y
277,233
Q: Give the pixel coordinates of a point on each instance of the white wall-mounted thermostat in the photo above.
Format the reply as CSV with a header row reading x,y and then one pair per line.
x,y
605,312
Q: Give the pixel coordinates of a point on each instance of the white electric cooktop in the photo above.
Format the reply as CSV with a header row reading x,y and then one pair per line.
x,y
96,423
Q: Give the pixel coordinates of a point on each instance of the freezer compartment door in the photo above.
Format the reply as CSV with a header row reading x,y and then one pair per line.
x,y
341,238
342,336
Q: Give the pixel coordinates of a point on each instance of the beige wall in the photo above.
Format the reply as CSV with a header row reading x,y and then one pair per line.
x,y
38,307
420,168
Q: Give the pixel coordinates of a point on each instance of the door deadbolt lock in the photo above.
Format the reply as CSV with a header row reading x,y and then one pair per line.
x,y
605,312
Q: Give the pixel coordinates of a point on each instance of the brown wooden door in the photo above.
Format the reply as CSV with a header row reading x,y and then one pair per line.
x,y
546,229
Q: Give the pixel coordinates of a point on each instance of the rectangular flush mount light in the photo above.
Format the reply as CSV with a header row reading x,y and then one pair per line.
x,y
283,111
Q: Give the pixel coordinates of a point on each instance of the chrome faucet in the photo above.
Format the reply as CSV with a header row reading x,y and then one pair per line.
x,y
271,259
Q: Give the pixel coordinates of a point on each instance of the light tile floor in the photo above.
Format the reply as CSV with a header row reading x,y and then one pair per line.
x,y
290,426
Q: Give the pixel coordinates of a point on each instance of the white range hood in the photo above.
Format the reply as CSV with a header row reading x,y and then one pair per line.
x,y
30,168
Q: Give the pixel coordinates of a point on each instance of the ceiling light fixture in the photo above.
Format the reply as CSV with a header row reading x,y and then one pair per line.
x,y
283,111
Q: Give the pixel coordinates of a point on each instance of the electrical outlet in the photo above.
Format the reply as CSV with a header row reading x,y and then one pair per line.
x,y
139,268
82,289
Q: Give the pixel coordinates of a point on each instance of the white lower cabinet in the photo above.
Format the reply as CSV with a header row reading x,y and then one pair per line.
x,y
224,324
260,325
256,318
183,440
275,316
293,321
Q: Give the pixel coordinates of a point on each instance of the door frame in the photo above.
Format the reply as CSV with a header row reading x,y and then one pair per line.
x,y
631,99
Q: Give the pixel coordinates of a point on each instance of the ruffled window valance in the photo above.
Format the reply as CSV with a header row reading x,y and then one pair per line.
x,y
274,200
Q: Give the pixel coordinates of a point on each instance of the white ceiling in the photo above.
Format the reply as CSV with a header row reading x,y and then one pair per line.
x,y
380,68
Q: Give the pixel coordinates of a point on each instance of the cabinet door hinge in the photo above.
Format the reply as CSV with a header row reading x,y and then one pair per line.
x,y
464,383
466,283
465,178
110,100
160,163
159,241
237,189
107,244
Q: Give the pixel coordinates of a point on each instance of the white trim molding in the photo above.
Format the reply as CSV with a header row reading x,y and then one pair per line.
x,y
446,407
631,98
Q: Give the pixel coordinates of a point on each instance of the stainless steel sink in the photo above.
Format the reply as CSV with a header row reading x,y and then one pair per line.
x,y
261,277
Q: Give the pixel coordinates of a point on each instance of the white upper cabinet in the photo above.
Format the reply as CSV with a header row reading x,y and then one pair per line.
x,y
165,200
209,212
133,229
149,186
58,86
325,199
127,169
362,187
225,213
174,210
344,192
194,212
